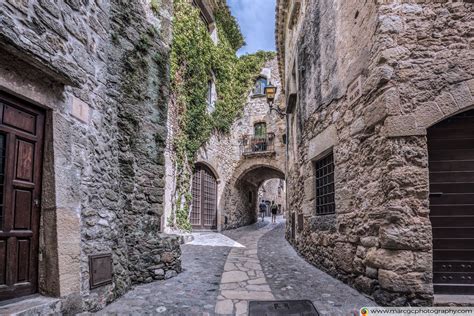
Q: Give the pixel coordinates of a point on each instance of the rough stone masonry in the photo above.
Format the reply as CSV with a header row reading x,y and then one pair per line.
x,y
100,71
364,80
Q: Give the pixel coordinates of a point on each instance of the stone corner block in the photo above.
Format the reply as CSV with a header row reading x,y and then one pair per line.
x,y
428,114
470,84
462,95
309,188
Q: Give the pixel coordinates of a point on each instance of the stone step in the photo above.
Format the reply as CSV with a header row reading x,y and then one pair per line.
x,y
31,305
453,300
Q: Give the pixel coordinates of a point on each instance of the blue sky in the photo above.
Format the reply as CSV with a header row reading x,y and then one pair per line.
x,y
257,22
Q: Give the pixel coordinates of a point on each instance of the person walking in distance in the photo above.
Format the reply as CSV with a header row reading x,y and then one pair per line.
x,y
274,209
263,209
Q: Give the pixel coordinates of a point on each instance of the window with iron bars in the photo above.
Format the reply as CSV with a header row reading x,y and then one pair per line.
x,y
325,203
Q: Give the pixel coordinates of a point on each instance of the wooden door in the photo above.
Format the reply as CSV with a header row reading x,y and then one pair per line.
x,y
204,195
21,142
451,165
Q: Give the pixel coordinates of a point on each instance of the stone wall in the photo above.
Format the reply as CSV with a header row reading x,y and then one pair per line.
x,y
223,154
240,176
369,78
100,69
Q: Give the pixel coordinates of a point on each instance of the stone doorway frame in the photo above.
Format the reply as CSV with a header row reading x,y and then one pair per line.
x,y
59,252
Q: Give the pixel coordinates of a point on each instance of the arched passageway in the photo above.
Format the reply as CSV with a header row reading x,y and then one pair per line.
x,y
273,191
241,205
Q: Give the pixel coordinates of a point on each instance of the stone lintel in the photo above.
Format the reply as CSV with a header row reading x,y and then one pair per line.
x,y
322,143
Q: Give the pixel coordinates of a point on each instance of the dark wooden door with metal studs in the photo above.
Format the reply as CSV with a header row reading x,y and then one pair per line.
x,y
21,142
204,206
451,164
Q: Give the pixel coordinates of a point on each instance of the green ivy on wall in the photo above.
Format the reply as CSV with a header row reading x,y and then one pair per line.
x,y
194,58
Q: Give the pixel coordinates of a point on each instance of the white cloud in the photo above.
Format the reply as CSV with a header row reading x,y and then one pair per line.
x,y
257,22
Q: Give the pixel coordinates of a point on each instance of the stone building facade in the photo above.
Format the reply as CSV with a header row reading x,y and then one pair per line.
x,y
83,91
379,97
241,161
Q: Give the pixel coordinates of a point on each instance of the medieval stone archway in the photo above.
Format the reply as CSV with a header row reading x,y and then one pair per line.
x,y
240,197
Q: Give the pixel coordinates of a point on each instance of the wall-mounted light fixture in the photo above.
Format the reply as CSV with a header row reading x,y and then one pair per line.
x,y
270,92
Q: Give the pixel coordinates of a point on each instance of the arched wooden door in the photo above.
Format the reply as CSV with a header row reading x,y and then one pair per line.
x,y
451,165
204,205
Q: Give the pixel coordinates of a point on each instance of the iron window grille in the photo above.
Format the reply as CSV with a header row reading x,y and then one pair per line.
x,y
325,196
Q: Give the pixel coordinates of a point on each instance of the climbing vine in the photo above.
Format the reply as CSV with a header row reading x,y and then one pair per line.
x,y
194,60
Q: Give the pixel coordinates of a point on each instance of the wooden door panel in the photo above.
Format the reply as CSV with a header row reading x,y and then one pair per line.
x,y
452,133
452,143
454,165
23,257
452,176
210,199
453,278
459,187
451,210
452,222
21,143
24,160
453,255
204,205
3,261
453,198
461,154
19,119
458,232
195,217
457,289
451,164
2,177
448,266
23,209
453,243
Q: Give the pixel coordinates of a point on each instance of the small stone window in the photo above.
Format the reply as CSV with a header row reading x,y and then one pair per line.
x,y
325,202
260,85
211,95
250,197
260,130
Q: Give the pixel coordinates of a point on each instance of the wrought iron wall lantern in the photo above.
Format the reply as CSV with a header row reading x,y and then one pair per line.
x,y
270,92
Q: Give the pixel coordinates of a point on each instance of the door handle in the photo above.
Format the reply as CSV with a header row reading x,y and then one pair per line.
x,y
36,202
437,194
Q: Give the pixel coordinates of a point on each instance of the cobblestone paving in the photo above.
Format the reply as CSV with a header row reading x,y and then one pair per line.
x,y
192,292
292,278
243,277
221,280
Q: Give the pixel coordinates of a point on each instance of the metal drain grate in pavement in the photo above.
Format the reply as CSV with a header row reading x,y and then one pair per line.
x,y
282,308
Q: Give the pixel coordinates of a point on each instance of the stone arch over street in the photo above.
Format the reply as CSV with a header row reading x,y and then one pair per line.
x,y
241,192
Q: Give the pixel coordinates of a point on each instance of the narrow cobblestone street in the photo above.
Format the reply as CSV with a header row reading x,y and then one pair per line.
x,y
220,280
